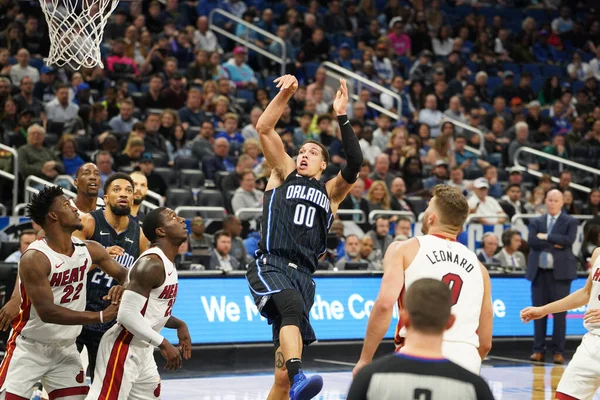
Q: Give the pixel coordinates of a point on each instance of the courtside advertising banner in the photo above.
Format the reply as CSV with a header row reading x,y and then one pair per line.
x,y
221,310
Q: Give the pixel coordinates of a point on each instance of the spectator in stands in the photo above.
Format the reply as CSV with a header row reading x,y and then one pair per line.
x,y
316,49
524,90
240,72
439,175
351,253
511,202
168,121
381,169
465,159
154,98
61,109
400,41
380,235
104,162
551,91
252,148
176,145
233,226
490,173
15,135
487,255
592,139
232,181
246,196
175,95
482,204
369,149
67,148
131,154
593,205
249,131
22,69
230,132
198,238
156,183
123,123
398,202
383,65
443,43
355,201
181,48
118,64
570,207
45,89
192,114
201,145
367,252
381,136
536,205
403,227
378,196
154,142
457,180
510,256
320,77
35,159
204,38
26,101
220,160
441,151
26,237
303,132
563,24
431,116
221,259
499,110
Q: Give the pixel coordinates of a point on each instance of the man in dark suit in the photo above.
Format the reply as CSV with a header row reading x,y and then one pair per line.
x,y
551,267
355,201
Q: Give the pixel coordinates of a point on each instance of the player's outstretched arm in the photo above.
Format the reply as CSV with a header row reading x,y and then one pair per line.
x,y
147,273
381,314
486,317
34,269
270,141
183,334
576,299
339,187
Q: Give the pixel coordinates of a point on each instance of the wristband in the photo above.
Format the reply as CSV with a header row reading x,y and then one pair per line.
x,y
101,317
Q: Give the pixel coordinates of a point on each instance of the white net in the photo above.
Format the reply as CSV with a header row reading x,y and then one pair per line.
x,y
76,28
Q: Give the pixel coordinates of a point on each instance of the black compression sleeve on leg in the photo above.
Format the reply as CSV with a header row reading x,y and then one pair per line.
x,y
354,156
290,306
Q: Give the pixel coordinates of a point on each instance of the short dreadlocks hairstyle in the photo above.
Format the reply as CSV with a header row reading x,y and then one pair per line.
x,y
153,220
42,202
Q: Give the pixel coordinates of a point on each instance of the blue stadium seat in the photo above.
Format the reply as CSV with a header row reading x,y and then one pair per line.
x,y
310,69
577,86
493,82
533,69
545,113
247,95
37,63
552,70
537,83
12,60
509,66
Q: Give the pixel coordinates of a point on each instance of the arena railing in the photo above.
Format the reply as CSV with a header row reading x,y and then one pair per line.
x,y
361,213
471,217
14,176
153,195
469,128
386,213
337,72
558,160
244,42
518,217
254,211
217,213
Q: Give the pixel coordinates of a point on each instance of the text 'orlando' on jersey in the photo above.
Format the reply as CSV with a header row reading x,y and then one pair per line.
x,y
298,217
100,283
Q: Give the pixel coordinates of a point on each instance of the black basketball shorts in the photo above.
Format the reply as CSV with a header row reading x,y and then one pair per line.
x,y
269,275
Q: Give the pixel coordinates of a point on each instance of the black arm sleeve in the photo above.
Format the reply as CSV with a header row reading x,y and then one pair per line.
x,y
354,157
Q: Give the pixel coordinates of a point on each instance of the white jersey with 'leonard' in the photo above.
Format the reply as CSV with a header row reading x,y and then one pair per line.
x,y
160,303
68,279
594,301
456,265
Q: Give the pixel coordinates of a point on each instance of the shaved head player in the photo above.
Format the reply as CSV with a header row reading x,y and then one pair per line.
x,y
297,213
439,256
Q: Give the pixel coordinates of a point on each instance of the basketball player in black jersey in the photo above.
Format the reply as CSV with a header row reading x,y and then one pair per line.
x,y
87,183
297,212
140,190
122,237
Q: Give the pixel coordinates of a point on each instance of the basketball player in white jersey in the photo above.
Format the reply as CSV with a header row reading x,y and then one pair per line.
x,y
53,280
87,183
581,379
437,255
125,367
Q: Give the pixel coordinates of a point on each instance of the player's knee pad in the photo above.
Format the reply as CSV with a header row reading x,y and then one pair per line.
x,y
290,306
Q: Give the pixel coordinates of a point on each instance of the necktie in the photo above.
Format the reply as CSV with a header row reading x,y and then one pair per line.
x,y
544,255
514,264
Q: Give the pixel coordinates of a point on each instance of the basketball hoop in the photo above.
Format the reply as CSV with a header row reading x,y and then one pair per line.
x,y
76,29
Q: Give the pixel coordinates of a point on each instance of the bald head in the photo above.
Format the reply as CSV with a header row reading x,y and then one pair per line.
x,y
554,202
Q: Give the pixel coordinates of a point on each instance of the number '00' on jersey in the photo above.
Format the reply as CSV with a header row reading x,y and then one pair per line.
x,y
296,218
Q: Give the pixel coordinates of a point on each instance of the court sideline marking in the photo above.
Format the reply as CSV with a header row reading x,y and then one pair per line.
x,y
349,364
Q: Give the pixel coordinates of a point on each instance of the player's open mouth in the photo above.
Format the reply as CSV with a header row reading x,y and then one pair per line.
x,y
93,185
123,203
303,163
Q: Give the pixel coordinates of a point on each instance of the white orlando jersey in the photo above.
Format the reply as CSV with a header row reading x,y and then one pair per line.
x,y
68,279
594,301
458,267
160,303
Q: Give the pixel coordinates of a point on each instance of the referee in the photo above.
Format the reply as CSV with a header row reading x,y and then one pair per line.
x,y
419,370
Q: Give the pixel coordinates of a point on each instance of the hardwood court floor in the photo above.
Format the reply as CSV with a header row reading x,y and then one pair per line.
x,y
509,379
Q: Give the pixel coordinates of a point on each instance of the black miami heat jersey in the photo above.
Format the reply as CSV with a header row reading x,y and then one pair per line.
x,y
296,218
99,283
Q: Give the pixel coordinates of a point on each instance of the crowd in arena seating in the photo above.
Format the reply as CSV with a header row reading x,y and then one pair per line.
x,y
181,103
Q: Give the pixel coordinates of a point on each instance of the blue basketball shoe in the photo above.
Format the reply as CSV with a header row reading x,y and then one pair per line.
x,y
305,388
